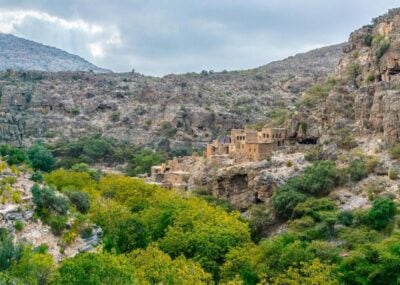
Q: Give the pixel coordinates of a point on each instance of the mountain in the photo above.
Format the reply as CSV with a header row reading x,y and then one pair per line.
x,y
172,111
21,54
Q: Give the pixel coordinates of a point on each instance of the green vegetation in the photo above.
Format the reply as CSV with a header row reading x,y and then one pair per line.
x,y
97,149
368,40
357,170
316,180
354,71
382,47
157,236
317,93
277,117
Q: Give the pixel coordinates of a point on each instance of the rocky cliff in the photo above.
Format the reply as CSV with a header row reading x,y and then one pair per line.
x,y
171,111
363,95
21,54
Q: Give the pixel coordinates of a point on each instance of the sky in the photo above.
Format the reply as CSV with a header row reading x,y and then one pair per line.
x,y
159,37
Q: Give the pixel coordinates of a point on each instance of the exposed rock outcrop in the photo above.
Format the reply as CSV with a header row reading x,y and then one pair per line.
x,y
174,110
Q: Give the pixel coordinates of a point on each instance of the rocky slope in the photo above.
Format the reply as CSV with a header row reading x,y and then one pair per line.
x,y
171,111
17,208
21,54
364,96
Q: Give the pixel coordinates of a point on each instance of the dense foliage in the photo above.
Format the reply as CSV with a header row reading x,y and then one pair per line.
x,y
155,236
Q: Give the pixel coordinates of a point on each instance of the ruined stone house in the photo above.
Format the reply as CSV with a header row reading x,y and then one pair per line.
x,y
248,144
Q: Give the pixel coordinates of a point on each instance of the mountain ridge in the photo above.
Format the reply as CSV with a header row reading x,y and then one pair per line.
x,y
17,53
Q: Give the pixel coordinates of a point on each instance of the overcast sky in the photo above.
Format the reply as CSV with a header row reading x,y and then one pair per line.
x,y
158,37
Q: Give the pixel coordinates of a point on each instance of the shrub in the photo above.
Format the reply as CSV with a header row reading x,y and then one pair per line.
x,y
285,200
37,176
8,252
314,207
382,48
19,226
346,218
317,179
368,40
313,154
80,200
57,224
381,214
13,155
371,77
393,174
357,170
371,163
394,150
46,198
40,157
354,70
317,93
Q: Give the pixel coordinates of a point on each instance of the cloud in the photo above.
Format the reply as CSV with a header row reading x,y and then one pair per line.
x,y
81,37
158,37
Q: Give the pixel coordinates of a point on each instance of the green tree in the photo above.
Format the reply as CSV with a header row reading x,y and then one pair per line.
x,y
8,252
381,214
35,268
40,157
96,269
152,266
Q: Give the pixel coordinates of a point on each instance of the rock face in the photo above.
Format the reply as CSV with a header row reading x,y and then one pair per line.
x,y
365,95
248,183
20,54
174,110
374,53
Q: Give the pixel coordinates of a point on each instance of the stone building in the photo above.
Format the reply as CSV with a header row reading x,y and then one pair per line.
x,y
171,174
248,144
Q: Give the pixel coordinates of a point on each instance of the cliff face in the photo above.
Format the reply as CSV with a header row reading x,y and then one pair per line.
x,y
364,95
171,111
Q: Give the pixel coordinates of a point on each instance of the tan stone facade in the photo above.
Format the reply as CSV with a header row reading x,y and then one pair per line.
x,y
171,174
248,144
241,145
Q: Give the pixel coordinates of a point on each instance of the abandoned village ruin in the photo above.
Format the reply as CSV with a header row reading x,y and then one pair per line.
x,y
243,145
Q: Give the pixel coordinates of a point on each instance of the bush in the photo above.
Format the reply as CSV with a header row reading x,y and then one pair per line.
x,y
394,151
46,198
354,71
314,207
37,177
371,163
382,48
19,226
368,40
8,252
314,154
317,93
80,200
357,170
317,180
346,218
381,214
40,157
393,174
57,224
285,200
13,155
